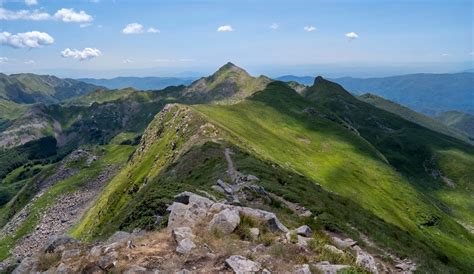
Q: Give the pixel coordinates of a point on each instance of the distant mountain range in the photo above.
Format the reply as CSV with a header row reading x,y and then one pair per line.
x,y
142,83
28,88
427,93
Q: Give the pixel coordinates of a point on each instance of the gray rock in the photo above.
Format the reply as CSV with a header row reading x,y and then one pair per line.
x,y
70,253
327,268
185,246
227,189
63,269
27,265
181,233
304,230
365,260
254,232
59,243
96,251
251,177
225,221
343,244
184,271
240,264
120,236
303,241
302,269
108,261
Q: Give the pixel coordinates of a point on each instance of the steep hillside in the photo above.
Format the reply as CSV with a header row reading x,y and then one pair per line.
x,y
228,84
426,93
27,88
297,155
419,154
459,120
140,83
413,116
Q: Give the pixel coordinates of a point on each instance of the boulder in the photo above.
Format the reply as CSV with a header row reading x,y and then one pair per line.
x,y
27,265
181,233
240,264
365,260
96,251
225,221
120,236
303,241
185,246
184,271
343,244
302,269
227,189
251,177
70,253
108,261
326,268
254,233
304,230
59,243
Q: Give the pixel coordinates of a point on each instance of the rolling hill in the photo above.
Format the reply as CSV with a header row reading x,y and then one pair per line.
x,y
459,120
28,88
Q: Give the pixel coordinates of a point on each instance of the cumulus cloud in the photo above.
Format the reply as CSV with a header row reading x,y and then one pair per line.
x,y
133,28
23,15
352,35
31,39
64,15
225,28
153,30
274,26
309,28
3,60
30,62
31,2
71,16
81,55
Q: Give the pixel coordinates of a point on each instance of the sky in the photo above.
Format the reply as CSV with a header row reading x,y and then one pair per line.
x,y
108,38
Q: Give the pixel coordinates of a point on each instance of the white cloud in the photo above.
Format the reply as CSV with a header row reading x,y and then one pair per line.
x,y
31,39
3,60
225,28
133,28
23,15
352,35
30,62
274,26
85,54
69,15
152,30
309,28
31,2
186,60
127,61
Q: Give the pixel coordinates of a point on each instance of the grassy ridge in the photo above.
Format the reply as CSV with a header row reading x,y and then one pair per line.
x,y
273,125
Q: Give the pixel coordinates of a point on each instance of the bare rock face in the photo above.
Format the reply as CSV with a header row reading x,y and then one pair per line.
x,y
240,264
343,244
302,269
225,221
185,246
184,237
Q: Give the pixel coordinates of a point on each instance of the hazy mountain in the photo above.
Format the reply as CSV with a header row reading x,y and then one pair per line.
x,y
140,83
27,88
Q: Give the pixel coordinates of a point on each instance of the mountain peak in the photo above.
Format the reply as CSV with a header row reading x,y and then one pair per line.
x,y
229,67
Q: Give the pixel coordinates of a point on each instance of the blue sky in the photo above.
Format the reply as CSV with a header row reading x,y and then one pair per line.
x,y
266,37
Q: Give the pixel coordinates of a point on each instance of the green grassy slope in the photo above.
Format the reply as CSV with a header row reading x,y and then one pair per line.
x,y
293,152
273,124
413,116
417,153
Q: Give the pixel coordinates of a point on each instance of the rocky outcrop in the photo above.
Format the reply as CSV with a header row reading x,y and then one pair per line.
x,y
240,264
327,268
225,221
